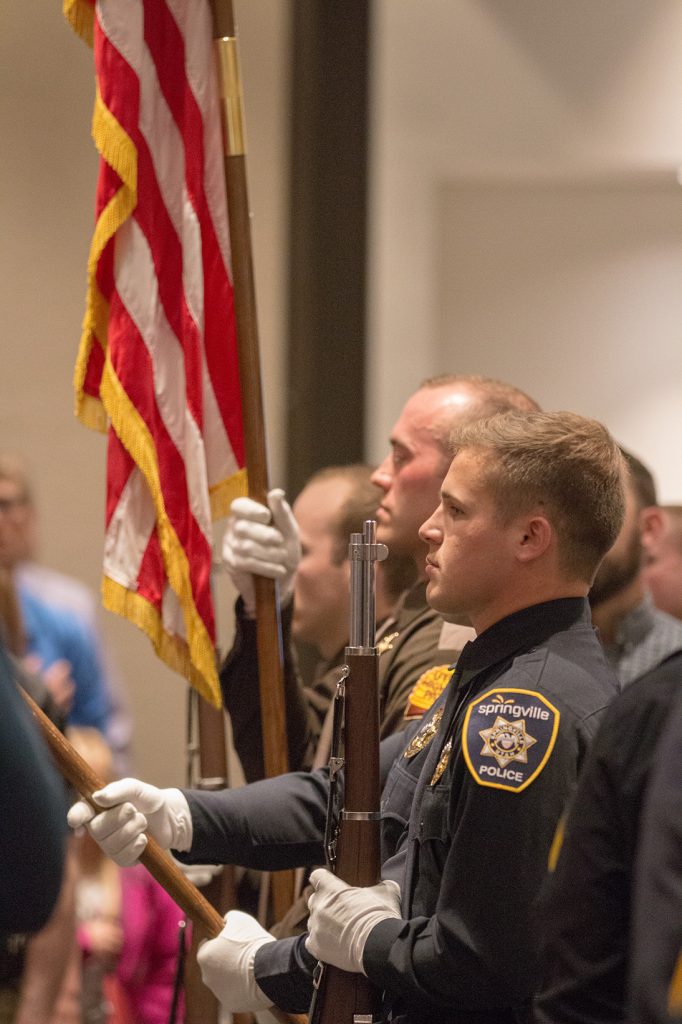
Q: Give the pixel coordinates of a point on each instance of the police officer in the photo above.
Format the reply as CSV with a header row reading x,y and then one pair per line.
x,y
528,508
413,643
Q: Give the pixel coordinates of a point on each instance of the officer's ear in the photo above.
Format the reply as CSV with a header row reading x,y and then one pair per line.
x,y
534,536
652,526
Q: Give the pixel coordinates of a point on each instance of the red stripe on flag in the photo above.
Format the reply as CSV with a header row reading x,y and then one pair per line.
x,y
132,365
152,575
120,465
156,224
166,45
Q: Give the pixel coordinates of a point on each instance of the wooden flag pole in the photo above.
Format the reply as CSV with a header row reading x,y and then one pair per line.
x,y
159,864
270,658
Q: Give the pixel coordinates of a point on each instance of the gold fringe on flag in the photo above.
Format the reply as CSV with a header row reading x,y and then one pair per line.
x,y
80,14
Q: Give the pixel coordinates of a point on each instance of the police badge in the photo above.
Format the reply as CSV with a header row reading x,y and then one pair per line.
x,y
424,736
506,754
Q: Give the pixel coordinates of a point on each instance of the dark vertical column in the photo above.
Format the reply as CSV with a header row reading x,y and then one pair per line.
x,y
327,258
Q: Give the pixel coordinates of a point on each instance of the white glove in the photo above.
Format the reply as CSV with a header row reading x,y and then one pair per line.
x,y
263,541
226,963
135,808
342,916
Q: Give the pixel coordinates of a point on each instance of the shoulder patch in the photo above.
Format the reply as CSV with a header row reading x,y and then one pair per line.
x,y
427,690
508,737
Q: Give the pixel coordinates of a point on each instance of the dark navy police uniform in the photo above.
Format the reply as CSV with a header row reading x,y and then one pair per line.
x,y
469,810
588,908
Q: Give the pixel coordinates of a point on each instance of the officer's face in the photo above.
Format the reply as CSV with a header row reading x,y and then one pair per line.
x,y
471,551
411,474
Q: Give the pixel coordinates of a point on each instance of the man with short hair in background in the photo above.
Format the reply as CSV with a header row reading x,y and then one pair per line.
x,y
636,635
315,602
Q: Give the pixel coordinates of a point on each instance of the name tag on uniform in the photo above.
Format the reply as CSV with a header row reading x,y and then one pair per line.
x,y
508,737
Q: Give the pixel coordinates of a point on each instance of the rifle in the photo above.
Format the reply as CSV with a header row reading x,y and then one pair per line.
x,y
353,838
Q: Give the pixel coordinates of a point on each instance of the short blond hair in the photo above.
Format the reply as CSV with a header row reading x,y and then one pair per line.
x,y
568,464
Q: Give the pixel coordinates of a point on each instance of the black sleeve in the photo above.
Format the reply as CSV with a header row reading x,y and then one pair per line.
x,y
284,971
269,825
239,680
586,907
33,835
656,948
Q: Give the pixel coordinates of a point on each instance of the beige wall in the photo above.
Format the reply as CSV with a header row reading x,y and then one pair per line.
x,y
48,174
526,219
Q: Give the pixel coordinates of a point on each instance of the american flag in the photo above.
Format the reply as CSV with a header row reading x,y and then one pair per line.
x,y
157,365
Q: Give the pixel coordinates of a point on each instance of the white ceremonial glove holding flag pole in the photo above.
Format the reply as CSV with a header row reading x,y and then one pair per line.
x,y
227,963
261,541
133,808
342,916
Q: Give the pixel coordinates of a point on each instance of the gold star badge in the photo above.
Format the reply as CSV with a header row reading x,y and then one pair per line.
x,y
506,741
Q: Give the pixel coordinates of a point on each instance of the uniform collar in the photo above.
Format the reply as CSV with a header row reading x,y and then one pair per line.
x,y
523,630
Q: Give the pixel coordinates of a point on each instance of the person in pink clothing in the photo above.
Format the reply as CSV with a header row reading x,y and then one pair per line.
x,y
129,928
148,961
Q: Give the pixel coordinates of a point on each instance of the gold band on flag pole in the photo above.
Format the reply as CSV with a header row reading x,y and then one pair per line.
x,y
231,96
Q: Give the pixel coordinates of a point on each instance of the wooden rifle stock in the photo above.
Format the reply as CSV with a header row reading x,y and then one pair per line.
x,y
354,847
159,864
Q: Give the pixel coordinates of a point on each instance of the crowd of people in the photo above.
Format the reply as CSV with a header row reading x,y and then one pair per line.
x,y
530,638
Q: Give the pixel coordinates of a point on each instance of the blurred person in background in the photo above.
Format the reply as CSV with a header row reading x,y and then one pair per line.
x,y
60,620
636,635
662,541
